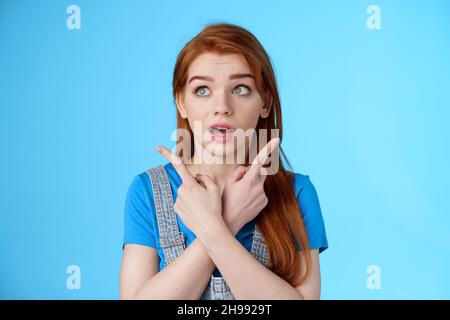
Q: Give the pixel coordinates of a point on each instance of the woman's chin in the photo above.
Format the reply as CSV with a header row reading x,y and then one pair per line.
x,y
225,152
222,149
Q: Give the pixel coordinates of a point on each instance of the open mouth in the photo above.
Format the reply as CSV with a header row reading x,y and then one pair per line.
x,y
221,131
221,134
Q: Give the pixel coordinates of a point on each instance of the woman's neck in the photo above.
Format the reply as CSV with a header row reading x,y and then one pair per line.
x,y
219,171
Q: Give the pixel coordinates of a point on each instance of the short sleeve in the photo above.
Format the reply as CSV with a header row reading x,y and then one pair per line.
x,y
308,201
138,223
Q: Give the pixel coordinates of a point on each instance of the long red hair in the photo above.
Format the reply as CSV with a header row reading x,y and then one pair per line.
x,y
280,221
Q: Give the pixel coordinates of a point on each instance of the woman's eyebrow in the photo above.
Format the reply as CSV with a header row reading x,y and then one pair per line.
x,y
233,76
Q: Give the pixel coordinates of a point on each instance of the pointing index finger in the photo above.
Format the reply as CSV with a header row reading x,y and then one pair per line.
x,y
262,157
177,164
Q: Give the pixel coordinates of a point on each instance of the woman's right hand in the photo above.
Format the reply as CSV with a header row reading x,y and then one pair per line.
x,y
199,200
243,195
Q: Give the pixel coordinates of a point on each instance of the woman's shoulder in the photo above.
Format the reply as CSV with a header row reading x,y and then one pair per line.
x,y
309,204
138,186
302,182
141,181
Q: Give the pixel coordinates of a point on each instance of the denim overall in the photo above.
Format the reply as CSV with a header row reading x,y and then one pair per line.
x,y
172,241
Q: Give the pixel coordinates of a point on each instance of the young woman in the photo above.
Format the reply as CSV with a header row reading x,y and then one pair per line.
x,y
189,218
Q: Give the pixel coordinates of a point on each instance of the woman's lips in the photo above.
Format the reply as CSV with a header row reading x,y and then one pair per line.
x,y
222,136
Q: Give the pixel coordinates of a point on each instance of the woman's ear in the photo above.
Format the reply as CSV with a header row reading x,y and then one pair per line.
x,y
180,105
265,110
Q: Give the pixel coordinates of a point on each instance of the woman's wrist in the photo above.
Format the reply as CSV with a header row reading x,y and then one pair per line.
x,y
233,226
213,233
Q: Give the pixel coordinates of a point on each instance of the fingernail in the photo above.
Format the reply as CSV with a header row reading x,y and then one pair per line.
x,y
158,149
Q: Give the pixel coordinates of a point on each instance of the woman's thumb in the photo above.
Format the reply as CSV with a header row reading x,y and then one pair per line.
x,y
206,180
239,173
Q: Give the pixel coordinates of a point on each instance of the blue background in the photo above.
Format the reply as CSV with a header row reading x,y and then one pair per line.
x,y
366,116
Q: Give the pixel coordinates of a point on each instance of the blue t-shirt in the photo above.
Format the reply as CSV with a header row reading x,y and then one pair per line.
x,y
140,226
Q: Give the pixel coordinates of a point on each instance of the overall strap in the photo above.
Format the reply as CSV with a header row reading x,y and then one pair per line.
x,y
171,240
218,289
259,249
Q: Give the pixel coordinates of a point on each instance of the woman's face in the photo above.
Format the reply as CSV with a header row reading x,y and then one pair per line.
x,y
220,92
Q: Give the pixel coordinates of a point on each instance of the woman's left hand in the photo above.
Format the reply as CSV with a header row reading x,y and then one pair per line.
x,y
243,196
198,205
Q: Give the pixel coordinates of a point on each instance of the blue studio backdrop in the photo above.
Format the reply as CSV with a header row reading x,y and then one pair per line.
x,y
85,97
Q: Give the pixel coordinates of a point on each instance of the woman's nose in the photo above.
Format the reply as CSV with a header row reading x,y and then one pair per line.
x,y
222,106
224,111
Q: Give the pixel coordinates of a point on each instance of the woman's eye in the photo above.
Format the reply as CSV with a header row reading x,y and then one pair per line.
x,y
201,91
242,90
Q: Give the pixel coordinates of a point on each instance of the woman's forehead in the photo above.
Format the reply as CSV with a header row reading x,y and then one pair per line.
x,y
212,63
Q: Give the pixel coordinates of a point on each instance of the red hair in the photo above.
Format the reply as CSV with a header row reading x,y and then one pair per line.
x,y
280,221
